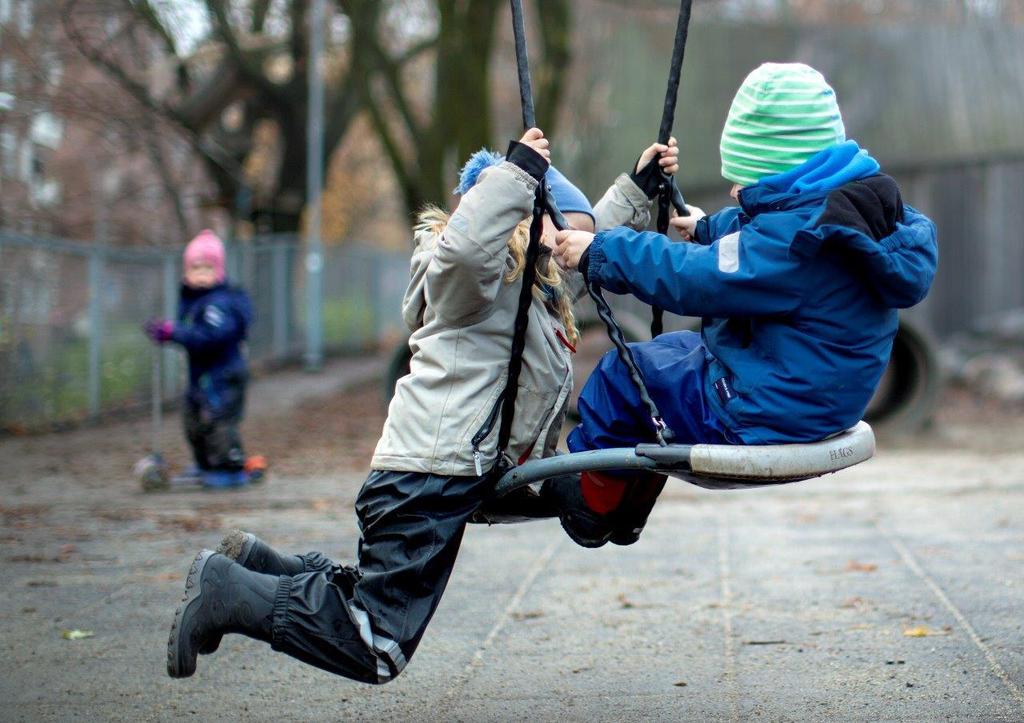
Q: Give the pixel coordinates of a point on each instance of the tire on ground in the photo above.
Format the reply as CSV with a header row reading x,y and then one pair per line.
x,y
909,390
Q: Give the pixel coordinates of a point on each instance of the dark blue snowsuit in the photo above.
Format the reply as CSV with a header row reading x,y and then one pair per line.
x,y
212,324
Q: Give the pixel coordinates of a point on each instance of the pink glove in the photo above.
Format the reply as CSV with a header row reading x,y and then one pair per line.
x,y
159,330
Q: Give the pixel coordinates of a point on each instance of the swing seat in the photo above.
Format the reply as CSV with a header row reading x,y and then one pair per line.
x,y
711,466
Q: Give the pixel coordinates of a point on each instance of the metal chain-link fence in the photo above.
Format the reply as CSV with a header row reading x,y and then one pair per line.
x,y
71,345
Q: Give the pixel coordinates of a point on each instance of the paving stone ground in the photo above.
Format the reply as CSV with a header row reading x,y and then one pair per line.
x,y
891,591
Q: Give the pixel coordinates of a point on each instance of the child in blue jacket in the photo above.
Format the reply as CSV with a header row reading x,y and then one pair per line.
x,y
213,320
797,288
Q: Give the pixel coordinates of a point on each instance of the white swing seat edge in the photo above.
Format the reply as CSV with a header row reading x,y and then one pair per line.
x,y
712,466
784,461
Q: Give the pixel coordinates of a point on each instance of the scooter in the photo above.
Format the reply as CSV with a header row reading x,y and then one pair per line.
x,y
153,472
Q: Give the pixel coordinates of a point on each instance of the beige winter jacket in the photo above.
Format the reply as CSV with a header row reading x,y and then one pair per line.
x,y
461,312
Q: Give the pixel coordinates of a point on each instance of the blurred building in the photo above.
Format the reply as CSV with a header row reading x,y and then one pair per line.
x,y
80,158
30,132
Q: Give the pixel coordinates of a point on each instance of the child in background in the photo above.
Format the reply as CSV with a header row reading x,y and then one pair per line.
x,y
213,320
797,288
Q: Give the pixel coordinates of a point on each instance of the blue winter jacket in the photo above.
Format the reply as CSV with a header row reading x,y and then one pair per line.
x,y
212,324
798,289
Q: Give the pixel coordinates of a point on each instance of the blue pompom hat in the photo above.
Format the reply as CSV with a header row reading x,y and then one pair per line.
x,y
477,164
567,196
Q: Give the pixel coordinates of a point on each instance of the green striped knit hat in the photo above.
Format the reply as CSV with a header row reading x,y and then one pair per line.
x,y
783,114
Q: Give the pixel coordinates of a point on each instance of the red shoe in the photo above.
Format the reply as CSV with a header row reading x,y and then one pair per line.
x,y
256,468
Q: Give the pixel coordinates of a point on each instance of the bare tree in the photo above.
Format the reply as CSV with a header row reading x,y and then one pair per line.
x,y
421,146
250,74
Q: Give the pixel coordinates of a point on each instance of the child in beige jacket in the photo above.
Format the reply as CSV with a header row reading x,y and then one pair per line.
x,y
427,476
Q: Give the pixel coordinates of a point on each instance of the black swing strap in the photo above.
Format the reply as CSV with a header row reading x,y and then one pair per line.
x,y
662,432
506,401
668,111
523,65
668,191
668,196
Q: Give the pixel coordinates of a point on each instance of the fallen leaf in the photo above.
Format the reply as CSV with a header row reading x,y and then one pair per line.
x,y
528,615
625,602
680,684
923,632
854,566
77,634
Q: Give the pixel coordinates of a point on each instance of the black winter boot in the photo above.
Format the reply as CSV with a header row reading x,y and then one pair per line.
x,y
636,506
520,505
254,554
220,597
586,527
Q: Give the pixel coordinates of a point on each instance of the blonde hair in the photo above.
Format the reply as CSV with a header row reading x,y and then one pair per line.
x,y
433,220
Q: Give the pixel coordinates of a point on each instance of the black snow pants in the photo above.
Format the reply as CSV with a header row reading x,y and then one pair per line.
x,y
365,622
211,425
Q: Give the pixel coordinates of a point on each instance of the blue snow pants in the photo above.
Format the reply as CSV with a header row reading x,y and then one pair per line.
x,y
673,367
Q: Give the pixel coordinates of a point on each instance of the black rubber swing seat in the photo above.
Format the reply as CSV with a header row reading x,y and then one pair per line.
x,y
712,466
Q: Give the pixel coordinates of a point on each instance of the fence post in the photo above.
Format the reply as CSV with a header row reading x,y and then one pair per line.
x,y
314,187
233,261
169,268
373,293
95,327
279,301
247,266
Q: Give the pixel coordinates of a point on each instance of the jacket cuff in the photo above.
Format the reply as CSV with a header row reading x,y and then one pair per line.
x,y
632,192
595,259
527,180
527,159
648,179
701,233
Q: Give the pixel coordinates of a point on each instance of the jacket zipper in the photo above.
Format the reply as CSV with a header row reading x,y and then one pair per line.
x,y
565,342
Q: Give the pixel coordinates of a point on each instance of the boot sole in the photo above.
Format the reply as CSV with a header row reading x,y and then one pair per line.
x,y
589,543
237,545
625,539
177,665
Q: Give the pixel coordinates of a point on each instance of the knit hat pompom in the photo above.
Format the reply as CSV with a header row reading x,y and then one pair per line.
x,y
783,114
206,247
477,164
567,196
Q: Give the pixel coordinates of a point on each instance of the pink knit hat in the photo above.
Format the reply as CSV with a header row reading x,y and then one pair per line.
x,y
206,247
